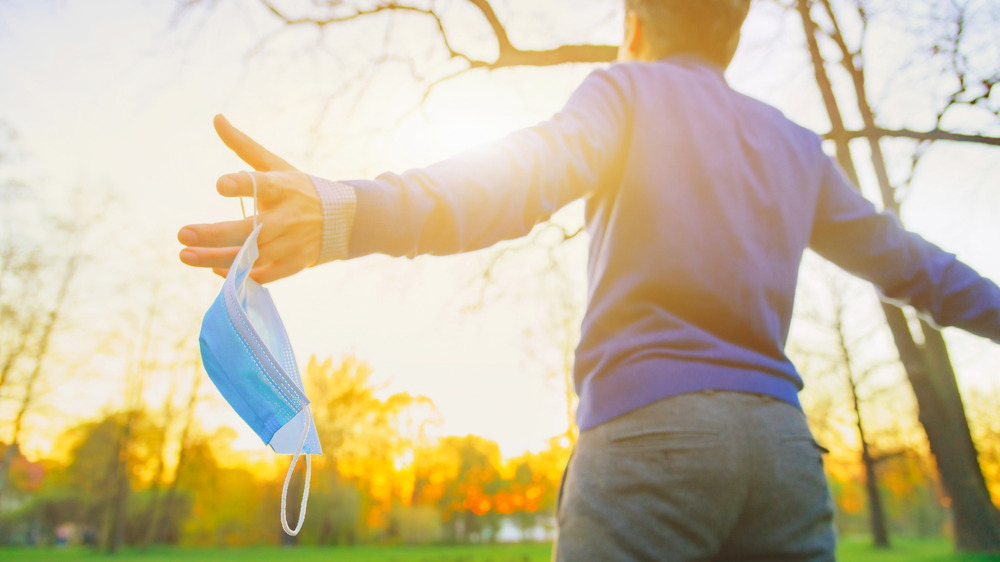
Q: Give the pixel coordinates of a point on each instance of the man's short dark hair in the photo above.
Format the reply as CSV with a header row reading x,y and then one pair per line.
x,y
703,27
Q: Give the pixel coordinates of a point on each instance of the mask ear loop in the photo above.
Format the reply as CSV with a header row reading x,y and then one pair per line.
x,y
253,180
305,491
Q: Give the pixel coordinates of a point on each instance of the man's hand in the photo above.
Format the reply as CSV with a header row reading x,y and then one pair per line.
x,y
288,208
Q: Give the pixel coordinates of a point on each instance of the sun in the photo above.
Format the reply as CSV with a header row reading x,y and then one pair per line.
x,y
464,128
457,122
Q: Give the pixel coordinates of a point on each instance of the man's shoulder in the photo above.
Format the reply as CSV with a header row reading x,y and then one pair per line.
x,y
773,118
693,86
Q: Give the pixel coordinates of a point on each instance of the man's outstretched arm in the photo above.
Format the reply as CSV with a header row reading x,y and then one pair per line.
x,y
850,232
470,201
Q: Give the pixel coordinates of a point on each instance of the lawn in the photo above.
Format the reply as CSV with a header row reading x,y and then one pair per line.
x,y
860,550
850,550
497,553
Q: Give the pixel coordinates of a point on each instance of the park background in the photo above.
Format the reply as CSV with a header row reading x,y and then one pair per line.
x,y
439,385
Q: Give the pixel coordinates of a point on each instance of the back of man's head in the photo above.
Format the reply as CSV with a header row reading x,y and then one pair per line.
x,y
709,28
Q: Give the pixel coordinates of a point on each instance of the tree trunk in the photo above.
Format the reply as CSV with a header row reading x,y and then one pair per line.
x,y
155,510
876,513
115,530
156,498
941,412
134,389
9,454
880,532
155,532
36,373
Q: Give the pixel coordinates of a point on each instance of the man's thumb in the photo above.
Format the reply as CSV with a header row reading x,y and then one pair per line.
x,y
248,149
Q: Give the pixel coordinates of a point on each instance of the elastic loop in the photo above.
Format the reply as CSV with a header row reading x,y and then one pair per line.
x,y
253,180
305,491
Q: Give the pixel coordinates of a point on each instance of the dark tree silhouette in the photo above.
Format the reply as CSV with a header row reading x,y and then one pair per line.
x,y
928,366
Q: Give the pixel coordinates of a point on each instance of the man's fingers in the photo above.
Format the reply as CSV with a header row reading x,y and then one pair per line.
x,y
279,258
274,271
216,235
216,258
240,184
248,149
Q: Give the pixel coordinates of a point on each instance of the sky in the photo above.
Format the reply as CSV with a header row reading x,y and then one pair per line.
x,y
117,97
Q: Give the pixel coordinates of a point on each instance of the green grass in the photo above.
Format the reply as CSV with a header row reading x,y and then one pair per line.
x,y
497,553
850,550
908,550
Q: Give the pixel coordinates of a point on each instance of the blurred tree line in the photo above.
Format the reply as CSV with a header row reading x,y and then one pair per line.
x,y
380,480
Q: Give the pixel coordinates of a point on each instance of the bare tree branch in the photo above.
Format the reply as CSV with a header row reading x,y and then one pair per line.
x,y
508,55
935,135
503,41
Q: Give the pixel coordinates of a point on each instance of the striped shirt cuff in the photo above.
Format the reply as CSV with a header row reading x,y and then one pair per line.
x,y
339,202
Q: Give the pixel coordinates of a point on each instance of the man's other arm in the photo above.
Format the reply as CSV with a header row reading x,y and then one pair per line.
x,y
850,232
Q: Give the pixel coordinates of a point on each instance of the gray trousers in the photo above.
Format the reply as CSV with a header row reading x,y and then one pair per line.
x,y
704,476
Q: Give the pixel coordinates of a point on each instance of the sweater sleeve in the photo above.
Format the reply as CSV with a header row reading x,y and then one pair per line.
x,y
500,190
850,232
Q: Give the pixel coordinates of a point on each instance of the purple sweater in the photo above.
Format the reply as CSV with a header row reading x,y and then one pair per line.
x,y
699,204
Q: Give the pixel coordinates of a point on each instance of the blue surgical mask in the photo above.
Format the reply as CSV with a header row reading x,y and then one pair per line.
x,y
249,357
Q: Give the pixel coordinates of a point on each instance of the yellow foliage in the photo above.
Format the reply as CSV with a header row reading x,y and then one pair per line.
x,y
380,478
852,496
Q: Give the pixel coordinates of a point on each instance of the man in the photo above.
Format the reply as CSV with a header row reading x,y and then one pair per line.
x,y
700,203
